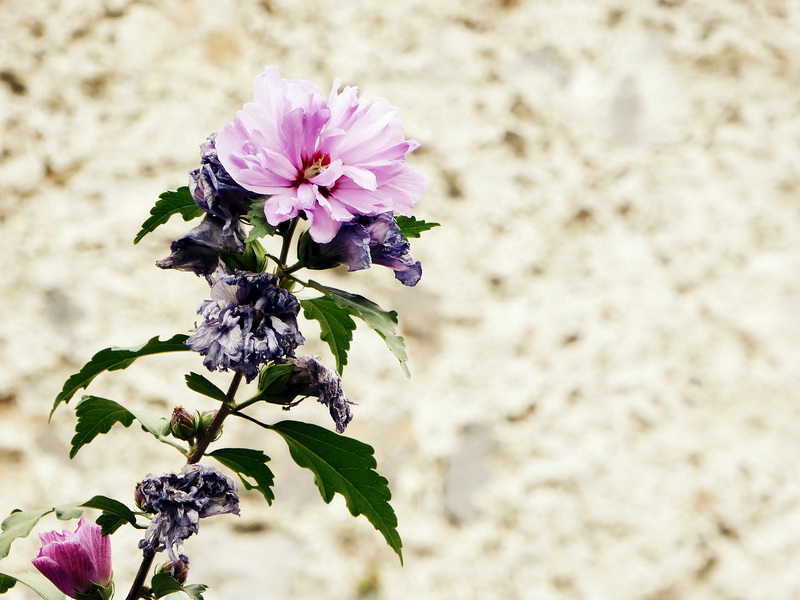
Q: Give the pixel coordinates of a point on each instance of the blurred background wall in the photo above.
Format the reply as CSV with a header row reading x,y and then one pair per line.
x,y
604,346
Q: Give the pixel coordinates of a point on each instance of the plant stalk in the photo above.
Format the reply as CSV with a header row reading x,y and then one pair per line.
x,y
138,582
227,408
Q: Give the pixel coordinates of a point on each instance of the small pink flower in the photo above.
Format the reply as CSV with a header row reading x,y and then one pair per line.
x,y
333,158
73,560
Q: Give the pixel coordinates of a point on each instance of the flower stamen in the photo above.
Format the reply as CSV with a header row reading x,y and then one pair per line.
x,y
314,169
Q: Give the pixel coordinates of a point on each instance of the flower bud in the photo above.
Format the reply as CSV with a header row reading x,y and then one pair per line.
x,y
204,422
183,424
77,562
178,569
138,497
310,255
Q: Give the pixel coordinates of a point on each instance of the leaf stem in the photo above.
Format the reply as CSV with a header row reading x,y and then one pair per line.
x,y
251,419
168,442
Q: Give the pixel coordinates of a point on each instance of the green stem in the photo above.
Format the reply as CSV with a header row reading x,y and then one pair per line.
x,y
251,419
227,408
168,442
138,582
287,241
295,267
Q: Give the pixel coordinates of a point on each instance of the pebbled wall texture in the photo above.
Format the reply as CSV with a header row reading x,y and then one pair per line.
x,y
605,345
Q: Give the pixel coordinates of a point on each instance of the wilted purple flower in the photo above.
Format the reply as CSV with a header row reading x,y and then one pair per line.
x,y
311,378
179,501
332,158
368,240
74,560
215,191
224,201
250,320
198,250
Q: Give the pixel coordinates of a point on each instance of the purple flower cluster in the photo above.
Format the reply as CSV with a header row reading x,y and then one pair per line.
x,y
374,240
75,560
311,378
178,502
249,321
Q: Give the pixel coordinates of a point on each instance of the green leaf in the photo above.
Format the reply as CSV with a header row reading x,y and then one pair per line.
x,y
115,514
164,585
157,426
6,582
35,581
19,524
383,322
336,326
113,359
410,227
195,590
258,220
96,416
247,462
345,466
170,203
201,385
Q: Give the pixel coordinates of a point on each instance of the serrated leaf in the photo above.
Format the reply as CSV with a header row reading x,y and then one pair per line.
x,y
346,466
35,581
383,322
67,512
201,385
258,220
113,359
247,462
19,524
411,227
157,426
195,590
165,585
336,326
6,582
170,203
115,514
96,416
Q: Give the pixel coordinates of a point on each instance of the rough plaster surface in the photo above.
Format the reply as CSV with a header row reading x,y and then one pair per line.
x,y
604,402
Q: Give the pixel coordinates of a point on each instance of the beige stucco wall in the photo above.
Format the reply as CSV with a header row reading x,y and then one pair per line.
x,y
605,397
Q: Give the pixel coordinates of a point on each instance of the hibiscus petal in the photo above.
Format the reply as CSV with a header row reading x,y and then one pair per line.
x,y
306,195
328,176
55,573
361,177
280,208
323,227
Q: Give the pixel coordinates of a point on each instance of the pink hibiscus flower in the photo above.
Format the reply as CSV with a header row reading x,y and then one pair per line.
x,y
333,158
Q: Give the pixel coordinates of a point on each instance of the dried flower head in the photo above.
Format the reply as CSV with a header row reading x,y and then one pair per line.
x,y
178,502
249,321
311,378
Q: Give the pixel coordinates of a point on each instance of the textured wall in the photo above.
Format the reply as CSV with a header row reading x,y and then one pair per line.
x,y
604,401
